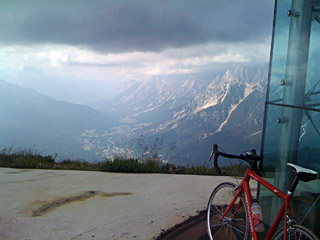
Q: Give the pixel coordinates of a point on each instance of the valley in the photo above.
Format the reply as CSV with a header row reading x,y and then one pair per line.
x,y
177,120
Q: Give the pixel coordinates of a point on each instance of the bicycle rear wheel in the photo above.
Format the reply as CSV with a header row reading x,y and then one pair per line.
x,y
295,232
235,225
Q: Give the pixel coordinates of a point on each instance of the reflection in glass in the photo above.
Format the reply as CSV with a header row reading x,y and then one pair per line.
x,y
292,115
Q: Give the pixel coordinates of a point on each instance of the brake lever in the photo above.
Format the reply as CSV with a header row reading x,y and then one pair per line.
x,y
214,150
211,155
216,155
215,163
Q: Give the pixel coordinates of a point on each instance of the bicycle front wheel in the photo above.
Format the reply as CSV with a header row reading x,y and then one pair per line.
x,y
295,232
235,224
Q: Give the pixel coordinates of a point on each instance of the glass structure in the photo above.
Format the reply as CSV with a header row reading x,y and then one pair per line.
x,y
291,131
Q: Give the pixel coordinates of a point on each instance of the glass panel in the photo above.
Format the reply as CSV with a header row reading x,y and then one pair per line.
x,y
271,141
292,123
313,76
308,193
279,59
279,50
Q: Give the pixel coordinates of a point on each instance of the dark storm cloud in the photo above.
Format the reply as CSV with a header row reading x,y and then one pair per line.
x,y
133,25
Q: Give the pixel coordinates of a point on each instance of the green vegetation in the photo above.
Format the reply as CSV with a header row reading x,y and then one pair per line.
x,y
24,159
152,166
29,159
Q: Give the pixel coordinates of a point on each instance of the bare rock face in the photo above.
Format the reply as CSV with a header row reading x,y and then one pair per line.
x,y
194,112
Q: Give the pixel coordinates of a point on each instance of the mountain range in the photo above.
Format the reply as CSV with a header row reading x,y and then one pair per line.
x,y
178,120
192,114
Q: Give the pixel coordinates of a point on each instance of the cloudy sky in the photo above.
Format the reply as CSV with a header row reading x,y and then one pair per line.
x,y
114,41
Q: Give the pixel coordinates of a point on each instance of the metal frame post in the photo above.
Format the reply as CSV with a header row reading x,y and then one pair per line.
x,y
294,86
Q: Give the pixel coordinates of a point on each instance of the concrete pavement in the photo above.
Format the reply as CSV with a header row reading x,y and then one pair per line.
x,y
57,204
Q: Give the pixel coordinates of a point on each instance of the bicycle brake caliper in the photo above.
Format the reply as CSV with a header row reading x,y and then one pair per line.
x,y
290,222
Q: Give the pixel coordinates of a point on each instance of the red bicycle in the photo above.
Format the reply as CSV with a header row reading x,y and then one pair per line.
x,y
229,212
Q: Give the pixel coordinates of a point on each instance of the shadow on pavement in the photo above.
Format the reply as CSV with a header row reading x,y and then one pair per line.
x,y
192,229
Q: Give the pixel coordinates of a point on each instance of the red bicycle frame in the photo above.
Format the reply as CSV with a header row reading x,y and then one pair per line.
x,y
245,188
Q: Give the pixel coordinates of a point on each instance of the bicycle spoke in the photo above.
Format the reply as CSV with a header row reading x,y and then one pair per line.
x,y
240,225
217,208
236,233
229,198
221,213
236,213
217,231
229,231
217,225
239,219
234,236
235,223
236,229
300,237
225,233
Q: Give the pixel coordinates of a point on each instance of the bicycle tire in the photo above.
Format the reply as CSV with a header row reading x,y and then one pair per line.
x,y
228,228
295,232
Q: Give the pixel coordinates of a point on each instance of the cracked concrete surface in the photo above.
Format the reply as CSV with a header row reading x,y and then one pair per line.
x,y
80,205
